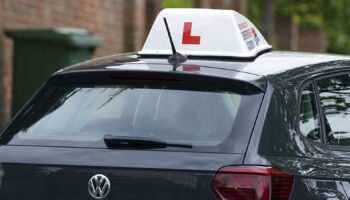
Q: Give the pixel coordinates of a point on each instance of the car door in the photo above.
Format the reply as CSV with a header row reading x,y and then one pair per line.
x,y
315,182
333,93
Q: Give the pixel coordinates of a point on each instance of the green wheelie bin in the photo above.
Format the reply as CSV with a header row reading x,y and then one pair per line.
x,y
39,52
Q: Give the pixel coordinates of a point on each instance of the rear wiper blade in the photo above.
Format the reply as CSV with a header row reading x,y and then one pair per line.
x,y
113,141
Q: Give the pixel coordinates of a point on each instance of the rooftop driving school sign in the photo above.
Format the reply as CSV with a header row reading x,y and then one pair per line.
x,y
204,32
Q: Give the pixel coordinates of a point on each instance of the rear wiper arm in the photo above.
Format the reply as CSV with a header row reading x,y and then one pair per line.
x,y
112,141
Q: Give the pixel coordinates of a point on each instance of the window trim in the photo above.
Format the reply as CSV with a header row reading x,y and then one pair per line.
x,y
315,79
301,88
319,113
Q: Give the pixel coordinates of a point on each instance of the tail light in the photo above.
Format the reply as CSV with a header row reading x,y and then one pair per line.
x,y
252,183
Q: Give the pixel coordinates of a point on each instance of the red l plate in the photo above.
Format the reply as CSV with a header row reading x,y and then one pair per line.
x,y
187,38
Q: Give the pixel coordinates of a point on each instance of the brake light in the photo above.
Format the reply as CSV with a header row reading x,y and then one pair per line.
x,y
145,76
252,183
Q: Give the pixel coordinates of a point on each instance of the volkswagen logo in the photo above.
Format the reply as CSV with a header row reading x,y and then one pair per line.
x,y
99,186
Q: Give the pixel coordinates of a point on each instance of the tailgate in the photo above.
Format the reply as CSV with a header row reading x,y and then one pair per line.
x,y
64,173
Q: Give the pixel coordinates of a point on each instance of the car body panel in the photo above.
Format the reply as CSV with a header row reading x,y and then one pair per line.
x,y
152,159
275,140
322,170
63,173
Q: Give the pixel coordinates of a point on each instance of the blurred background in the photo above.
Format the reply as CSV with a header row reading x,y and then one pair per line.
x,y
37,37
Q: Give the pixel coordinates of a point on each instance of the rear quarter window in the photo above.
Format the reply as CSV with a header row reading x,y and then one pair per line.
x,y
308,118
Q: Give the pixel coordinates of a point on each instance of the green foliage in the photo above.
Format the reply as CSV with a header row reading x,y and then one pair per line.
x,y
338,26
303,12
330,15
254,12
177,3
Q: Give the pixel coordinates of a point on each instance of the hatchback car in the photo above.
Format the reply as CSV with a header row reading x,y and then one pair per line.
x,y
232,120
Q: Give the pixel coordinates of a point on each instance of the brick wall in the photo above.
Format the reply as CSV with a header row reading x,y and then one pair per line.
x,y
237,5
3,92
312,39
105,18
289,36
286,34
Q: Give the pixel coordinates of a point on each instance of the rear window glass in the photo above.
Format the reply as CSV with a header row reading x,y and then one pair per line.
x,y
80,116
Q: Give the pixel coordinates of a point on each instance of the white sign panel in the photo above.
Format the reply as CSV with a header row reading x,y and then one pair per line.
x,y
205,32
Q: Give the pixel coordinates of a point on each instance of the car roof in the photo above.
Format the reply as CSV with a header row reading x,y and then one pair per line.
x,y
283,61
270,63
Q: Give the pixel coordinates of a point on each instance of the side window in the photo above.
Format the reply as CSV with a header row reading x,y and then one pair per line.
x,y
334,95
309,123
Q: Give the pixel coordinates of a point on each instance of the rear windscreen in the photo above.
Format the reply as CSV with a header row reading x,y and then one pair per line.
x,y
211,120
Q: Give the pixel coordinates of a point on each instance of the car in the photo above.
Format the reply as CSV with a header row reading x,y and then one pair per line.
x,y
206,110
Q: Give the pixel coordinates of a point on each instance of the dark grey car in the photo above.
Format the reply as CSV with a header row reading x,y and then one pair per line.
x,y
271,127
211,129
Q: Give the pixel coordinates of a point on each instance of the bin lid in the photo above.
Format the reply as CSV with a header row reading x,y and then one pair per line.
x,y
68,36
